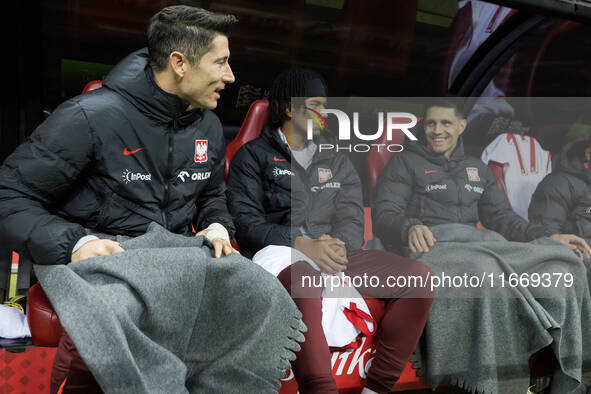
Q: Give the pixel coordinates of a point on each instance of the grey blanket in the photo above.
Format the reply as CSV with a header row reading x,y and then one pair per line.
x,y
166,317
482,338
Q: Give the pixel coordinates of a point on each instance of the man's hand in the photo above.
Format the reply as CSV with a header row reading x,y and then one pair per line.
x,y
219,245
340,248
96,247
322,252
577,244
420,238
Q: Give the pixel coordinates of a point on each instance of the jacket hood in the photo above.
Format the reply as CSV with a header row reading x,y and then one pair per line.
x,y
271,134
434,157
133,78
571,159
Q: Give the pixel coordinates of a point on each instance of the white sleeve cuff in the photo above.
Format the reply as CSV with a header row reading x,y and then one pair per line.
x,y
82,241
216,230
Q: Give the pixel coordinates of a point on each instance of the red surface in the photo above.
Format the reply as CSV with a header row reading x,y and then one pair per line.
x,y
368,227
498,171
349,367
92,85
44,323
26,373
255,119
377,160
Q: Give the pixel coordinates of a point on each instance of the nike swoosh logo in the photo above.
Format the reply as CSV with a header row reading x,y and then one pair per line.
x,y
278,159
131,152
430,171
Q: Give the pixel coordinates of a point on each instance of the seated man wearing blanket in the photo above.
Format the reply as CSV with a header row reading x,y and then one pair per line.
x,y
429,199
293,203
562,201
144,157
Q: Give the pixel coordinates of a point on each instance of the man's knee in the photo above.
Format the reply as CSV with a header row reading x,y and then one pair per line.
x,y
70,373
419,276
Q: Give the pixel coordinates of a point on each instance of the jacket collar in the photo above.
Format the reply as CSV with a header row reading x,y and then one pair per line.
x,y
571,160
133,78
437,158
271,134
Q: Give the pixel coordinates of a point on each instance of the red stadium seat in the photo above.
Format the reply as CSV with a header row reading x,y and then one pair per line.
x,y
257,116
44,323
377,160
497,170
92,85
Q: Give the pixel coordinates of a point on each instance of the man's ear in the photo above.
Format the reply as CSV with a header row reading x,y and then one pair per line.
x,y
178,63
463,124
287,111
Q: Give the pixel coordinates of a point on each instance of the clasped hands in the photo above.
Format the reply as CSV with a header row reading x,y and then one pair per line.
x,y
329,253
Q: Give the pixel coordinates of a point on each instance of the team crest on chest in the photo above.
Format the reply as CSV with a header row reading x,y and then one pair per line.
x,y
324,174
200,151
473,174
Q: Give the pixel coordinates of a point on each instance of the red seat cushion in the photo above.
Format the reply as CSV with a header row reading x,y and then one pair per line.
x,y
44,323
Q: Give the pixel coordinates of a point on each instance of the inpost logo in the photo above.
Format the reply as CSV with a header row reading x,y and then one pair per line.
x,y
127,176
402,121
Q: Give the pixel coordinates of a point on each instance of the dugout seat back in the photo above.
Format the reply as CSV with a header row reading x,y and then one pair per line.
x,y
378,158
498,172
255,119
92,85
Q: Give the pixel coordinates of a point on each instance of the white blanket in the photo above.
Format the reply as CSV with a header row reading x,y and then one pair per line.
x,y
344,312
13,324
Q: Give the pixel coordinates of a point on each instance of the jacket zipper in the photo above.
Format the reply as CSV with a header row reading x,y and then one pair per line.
x,y
459,186
166,188
313,165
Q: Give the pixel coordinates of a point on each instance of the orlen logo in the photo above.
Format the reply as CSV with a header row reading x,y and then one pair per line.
x,y
129,176
393,122
196,176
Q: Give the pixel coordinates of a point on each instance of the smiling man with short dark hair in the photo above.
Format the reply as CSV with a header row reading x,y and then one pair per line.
x,y
436,183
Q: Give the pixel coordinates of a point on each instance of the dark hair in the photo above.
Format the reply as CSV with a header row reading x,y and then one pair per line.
x,y
189,30
447,103
290,83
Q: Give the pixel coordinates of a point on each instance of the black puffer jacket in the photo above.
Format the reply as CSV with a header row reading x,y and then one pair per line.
x,y
419,186
114,159
271,196
562,201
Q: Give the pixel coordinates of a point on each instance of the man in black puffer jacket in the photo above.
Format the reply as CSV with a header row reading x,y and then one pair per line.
x,y
287,208
562,201
436,183
144,148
